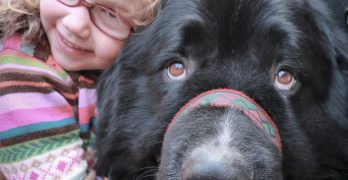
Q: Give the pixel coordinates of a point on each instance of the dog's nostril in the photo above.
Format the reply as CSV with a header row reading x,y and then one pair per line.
x,y
214,170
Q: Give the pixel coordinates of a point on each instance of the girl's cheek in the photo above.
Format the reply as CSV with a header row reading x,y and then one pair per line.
x,y
49,15
109,49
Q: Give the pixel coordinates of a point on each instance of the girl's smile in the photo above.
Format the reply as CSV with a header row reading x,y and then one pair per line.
x,y
71,49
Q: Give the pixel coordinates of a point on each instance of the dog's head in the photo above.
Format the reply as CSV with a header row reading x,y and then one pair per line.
x,y
283,67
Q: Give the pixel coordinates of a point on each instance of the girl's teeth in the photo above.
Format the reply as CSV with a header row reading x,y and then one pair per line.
x,y
72,46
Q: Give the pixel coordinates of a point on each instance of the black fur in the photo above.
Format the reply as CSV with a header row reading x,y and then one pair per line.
x,y
235,44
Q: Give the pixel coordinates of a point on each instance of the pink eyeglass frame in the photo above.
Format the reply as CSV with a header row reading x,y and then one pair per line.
x,y
90,6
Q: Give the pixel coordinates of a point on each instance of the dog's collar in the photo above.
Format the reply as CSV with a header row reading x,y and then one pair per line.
x,y
236,100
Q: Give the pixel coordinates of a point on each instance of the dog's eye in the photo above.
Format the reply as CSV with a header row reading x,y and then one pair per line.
x,y
284,80
176,71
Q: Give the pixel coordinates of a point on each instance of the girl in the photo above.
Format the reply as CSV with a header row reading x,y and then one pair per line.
x,y
51,54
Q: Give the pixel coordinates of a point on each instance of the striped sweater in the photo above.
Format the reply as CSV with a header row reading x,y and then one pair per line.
x,y
46,116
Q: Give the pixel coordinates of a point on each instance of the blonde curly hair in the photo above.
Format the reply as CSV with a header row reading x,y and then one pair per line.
x,y
23,17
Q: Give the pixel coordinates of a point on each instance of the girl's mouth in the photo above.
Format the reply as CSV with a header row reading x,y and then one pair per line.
x,y
69,47
72,45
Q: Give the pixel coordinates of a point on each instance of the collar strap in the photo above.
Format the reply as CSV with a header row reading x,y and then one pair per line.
x,y
236,100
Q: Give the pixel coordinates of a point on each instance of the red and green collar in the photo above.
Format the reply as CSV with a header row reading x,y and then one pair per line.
x,y
236,100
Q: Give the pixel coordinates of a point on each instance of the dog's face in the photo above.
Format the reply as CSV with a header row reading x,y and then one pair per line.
x,y
285,59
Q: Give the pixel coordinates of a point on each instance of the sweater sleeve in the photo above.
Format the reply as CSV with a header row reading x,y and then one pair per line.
x,y
42,118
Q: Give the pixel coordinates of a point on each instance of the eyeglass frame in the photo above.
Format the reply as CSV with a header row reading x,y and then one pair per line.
x,y
90,6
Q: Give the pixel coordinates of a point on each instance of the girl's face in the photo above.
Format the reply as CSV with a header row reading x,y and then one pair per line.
x,y
76,43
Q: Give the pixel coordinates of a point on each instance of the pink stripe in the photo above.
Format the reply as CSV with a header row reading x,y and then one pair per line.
x,y
11,102
14,42
25,83
87,97
87,101
24,117
86,113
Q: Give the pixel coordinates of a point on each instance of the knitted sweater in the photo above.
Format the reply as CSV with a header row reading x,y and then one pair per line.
x,y
46,116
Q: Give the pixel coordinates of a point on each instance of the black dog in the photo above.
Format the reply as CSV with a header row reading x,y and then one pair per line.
x,y
272,83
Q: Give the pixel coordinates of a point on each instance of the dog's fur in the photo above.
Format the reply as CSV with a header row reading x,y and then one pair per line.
x,y
234,44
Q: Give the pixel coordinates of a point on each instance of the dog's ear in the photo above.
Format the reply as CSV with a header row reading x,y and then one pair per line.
x,y
345,19
339,10
336,32
337,104
342,50
332,19
341,47
342,61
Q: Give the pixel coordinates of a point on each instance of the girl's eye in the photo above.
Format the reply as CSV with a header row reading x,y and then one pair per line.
x,y
108,13
284,80
176,71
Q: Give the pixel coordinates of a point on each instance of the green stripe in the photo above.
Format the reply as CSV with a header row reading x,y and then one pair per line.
x,y
37,147
92,141
10,58
244,103
35,127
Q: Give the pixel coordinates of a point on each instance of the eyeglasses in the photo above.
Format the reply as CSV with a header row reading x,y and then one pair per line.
x,y
108,21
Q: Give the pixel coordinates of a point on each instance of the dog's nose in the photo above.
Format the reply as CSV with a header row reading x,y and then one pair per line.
x,y
207,170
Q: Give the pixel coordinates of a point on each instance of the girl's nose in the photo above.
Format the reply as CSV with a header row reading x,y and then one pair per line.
x,y
78,22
